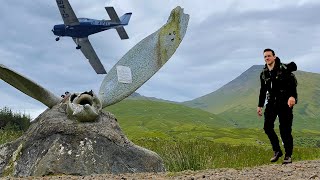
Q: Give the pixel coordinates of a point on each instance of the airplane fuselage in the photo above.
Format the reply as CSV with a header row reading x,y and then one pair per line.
x,y
85,28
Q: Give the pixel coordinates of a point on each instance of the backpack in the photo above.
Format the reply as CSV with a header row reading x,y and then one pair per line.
x,y
288,70
285,74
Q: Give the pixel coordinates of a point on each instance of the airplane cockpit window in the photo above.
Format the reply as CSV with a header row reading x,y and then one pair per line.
x,y
84,19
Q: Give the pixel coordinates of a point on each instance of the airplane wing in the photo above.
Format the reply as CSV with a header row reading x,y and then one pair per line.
x,y
90,54
68,16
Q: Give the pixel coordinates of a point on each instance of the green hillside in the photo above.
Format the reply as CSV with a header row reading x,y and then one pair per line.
x,y
237,100
137,96
145,118
149,119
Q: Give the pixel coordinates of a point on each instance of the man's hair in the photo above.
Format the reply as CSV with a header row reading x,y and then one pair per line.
x,y
268,49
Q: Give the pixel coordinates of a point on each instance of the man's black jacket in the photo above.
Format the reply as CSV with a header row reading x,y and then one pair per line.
x,y
280,83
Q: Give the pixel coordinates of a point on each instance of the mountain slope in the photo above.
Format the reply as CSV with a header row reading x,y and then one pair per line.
x,y
144,119
137,96
237,100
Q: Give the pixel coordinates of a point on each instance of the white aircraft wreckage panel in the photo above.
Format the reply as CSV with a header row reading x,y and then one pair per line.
x,y
124,74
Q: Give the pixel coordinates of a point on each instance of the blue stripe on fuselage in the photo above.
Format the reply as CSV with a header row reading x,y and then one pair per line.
x,y
84,29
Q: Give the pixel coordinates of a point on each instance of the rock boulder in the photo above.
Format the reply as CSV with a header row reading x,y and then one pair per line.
x,y
55,145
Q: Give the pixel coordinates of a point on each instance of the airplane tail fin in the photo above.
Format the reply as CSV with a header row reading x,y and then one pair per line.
x,y
125,18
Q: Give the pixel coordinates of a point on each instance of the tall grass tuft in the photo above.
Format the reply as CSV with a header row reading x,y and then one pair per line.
x,y
9,135
14,121
203,154
12,124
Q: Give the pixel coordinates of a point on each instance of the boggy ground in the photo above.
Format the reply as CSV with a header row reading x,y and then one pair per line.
x,y
296,170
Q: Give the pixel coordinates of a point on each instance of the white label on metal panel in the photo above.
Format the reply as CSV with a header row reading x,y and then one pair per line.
x,y
124,74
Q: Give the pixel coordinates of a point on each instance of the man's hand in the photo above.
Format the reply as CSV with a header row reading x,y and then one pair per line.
x,y
291,102
259,111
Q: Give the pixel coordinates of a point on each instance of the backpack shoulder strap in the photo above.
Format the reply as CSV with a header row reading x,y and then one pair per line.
x,y
264,75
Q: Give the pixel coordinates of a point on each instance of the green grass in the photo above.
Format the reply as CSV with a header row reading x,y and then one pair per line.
x,y
140,118
9,135
13,120
202,154
191,139
12,124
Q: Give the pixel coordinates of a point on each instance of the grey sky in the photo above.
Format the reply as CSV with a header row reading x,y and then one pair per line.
x,y
224,38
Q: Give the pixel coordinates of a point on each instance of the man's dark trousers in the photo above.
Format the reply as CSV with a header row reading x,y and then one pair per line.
x,y
284,112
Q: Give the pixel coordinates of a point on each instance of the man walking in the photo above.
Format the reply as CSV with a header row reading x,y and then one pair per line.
x,y
278,84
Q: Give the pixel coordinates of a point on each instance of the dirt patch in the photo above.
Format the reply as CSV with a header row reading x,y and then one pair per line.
x,y
296,170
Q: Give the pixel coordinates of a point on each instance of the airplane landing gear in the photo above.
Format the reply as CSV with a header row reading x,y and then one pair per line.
x,y
77,42
58,38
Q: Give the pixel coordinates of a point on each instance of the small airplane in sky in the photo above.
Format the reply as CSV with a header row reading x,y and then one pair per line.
x,y
80,28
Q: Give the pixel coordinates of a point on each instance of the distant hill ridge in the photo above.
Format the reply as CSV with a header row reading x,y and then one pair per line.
x,y
218,100
137,96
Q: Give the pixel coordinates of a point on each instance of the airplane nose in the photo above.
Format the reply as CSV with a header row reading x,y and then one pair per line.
x,y
54,28
53,31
